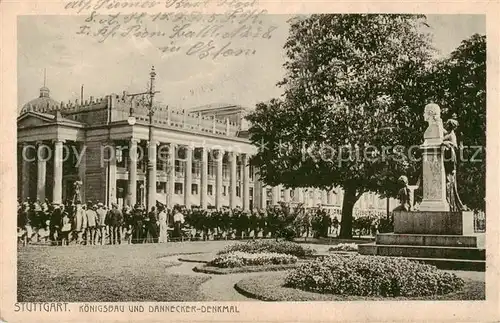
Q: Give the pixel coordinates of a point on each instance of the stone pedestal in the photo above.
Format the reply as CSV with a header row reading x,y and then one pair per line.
x,y
434,222
434,179
443,239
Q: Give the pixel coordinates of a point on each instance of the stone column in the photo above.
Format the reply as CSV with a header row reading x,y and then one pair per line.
x,y
25,172
263,195
42,156
276,195
434,180
188,176
324,197
112,198
297,195
82,168
246,182
218,179
171,176
152,174
204,178
132,172
58,172
287,195
329,197
232,186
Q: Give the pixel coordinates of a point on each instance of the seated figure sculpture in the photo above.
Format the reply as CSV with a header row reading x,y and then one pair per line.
x,y
404,196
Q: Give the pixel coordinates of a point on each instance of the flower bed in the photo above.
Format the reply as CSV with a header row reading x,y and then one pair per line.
x,y
240,259
270,287
344,247
269,246
372,276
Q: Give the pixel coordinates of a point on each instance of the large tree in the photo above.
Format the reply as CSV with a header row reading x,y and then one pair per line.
x,y
458,83
352,106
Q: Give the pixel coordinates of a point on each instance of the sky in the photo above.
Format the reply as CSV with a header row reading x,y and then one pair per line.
x,y
184,81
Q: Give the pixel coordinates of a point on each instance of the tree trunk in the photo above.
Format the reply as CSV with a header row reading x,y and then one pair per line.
x,y
347,206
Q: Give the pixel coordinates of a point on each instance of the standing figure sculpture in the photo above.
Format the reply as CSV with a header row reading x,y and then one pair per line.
x,y
450,165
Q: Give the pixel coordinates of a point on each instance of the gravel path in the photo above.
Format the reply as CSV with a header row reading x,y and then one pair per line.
x,y
218,287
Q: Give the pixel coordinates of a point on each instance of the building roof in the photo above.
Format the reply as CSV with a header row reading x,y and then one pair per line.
x,y
50,118
43,103
218,107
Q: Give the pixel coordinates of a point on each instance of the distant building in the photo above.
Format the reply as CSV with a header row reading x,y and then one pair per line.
x,y
53,136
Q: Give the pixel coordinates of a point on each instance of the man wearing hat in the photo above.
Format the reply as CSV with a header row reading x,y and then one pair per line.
x,y
91,224
101,221
55,224
115,224
80,221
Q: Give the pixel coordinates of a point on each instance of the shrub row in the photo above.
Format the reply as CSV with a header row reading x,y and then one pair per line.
x,y
269,246
372,276
240,259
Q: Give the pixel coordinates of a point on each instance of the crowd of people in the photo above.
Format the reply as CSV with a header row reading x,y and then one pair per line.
x,y
93,223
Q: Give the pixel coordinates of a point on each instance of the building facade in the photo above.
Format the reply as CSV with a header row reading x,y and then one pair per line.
x,y
198,157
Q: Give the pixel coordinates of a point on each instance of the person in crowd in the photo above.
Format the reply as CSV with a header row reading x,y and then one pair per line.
x,y
80,221
91,224
152,225
178,222
23,223
65,229
55,224
127,224
137,220
101,222
115,224
38,221
335,224
44,232
162,220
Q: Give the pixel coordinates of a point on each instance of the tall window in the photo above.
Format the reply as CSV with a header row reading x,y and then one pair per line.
x,y
121,154
196,169
178,188
179,168
162,159
210,189
225,171
194,189
212,169
238,191
161,187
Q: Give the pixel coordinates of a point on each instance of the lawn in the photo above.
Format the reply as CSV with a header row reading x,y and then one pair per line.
x,y
268,287
122,273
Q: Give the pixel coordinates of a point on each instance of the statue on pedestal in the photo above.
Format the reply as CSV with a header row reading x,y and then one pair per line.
x,y
433,173
450,165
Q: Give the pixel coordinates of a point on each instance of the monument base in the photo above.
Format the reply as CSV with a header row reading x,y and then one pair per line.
x,y
441,206
443,239
434,222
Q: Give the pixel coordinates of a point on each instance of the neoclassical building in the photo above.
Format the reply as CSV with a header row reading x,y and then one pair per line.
x,y
198,157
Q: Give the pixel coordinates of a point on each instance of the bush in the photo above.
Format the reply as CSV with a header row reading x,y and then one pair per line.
x,y
372,276
240,259
344,247
269,246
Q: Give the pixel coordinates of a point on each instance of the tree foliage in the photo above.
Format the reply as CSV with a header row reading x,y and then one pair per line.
x,y
351,109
